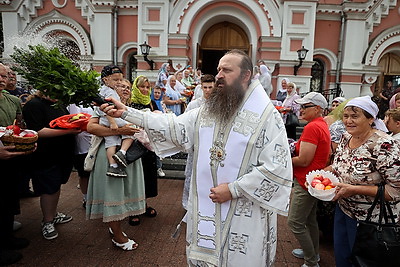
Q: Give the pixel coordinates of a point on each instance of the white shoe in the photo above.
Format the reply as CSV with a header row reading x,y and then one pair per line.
x,y
160,172
17,225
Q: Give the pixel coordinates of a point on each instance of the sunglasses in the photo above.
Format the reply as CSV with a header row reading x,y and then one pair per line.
x,y
307,106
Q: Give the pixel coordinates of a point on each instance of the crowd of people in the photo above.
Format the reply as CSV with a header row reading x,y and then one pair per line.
x,y
245,163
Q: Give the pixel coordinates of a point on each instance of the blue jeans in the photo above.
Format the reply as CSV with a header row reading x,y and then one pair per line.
x,y
344,235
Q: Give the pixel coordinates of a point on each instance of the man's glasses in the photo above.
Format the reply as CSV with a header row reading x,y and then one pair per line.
x,y
307,106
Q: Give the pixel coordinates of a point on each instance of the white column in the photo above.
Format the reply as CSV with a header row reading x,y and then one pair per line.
x,y
101,32
10,32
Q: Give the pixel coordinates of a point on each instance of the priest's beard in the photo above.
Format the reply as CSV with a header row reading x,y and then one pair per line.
x,y
224,102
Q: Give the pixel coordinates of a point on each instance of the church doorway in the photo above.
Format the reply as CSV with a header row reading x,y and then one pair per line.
x,y
217,40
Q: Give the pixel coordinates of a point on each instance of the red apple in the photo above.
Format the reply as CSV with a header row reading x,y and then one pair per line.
x,y
29,135
16,130
326,181
319,177
319,186
314,182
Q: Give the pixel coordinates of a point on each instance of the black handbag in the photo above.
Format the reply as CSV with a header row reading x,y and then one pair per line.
x,y
135,151
377,243
292,119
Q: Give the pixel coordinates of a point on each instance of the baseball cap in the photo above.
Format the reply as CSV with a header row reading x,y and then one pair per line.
x,y
109,70
315,98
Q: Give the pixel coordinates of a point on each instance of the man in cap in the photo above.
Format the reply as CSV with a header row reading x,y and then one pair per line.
x,y
311,153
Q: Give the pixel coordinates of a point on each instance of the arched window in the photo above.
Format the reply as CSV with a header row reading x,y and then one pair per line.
x,y
317,76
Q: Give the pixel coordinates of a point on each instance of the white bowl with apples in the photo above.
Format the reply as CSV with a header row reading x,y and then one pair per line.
x,y
320,184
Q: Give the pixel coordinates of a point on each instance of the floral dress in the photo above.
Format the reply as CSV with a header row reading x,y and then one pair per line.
x,y
375,161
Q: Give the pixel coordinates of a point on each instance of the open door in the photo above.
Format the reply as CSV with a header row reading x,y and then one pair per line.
x,y
217,40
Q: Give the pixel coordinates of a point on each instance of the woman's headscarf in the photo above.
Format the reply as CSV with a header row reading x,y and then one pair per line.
x,y
366,103
162,70
265,79
137,96
157,101
392,101
280,85
339,99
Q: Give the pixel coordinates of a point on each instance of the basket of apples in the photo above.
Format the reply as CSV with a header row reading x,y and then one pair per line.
x,y
320,184
23,140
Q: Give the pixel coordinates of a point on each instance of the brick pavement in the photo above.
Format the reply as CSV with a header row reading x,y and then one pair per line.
x,y
87,243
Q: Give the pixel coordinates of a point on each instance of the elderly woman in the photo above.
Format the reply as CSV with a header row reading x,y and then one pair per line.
x,y
281,95
163,73
172,96
365,157
290,106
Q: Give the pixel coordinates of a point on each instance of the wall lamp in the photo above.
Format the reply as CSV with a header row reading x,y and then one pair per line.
x,y
301,54
145,48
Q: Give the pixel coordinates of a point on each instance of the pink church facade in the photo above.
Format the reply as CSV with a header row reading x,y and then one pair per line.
x,y
352,45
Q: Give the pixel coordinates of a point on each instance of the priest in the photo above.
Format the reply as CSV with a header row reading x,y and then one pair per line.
x,y
242,171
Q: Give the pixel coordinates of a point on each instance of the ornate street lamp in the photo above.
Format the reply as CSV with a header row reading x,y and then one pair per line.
x,y
145,49
301,54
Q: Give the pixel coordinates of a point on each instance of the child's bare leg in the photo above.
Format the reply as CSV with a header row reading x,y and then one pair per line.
x,y
126,143
111,121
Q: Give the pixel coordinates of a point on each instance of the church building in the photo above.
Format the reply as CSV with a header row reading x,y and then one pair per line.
x,y
346,47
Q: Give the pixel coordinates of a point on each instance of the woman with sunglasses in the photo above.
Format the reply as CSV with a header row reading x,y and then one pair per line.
x,y
311,153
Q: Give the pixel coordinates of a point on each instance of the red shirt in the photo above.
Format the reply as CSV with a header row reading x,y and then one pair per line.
x,y
315,132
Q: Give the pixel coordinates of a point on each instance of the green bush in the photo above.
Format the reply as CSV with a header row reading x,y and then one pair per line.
x,y
55,75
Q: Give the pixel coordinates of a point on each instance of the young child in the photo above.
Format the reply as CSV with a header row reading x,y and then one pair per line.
x,y
112,76
392,121
157,95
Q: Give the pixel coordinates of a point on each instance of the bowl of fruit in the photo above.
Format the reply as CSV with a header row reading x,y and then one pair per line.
x,y
23,140
320,184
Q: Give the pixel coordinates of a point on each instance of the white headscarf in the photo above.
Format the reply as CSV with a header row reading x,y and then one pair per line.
x,y
366,103
280,85
265,79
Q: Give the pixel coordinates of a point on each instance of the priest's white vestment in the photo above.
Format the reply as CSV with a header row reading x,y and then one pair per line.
x,y
251,154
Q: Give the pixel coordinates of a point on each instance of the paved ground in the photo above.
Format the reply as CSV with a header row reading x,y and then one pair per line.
x,y
87,243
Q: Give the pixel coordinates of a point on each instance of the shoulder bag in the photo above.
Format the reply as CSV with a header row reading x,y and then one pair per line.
x,y
377,243
135,151
292,119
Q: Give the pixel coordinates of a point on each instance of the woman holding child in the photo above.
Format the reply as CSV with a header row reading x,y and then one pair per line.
x,y
114,199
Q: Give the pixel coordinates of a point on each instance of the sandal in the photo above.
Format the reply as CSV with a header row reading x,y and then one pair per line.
x,y
134,220
112,233
150,212
128,245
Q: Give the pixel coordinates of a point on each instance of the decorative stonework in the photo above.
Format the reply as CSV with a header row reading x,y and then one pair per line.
x,y
375,47
57,3
43,23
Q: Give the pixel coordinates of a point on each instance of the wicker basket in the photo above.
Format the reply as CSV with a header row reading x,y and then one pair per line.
x,y
21,143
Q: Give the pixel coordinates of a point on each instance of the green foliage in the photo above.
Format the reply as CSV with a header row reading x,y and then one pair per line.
x,y
55,75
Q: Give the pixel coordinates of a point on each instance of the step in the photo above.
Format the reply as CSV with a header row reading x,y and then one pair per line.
x,y
173,174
